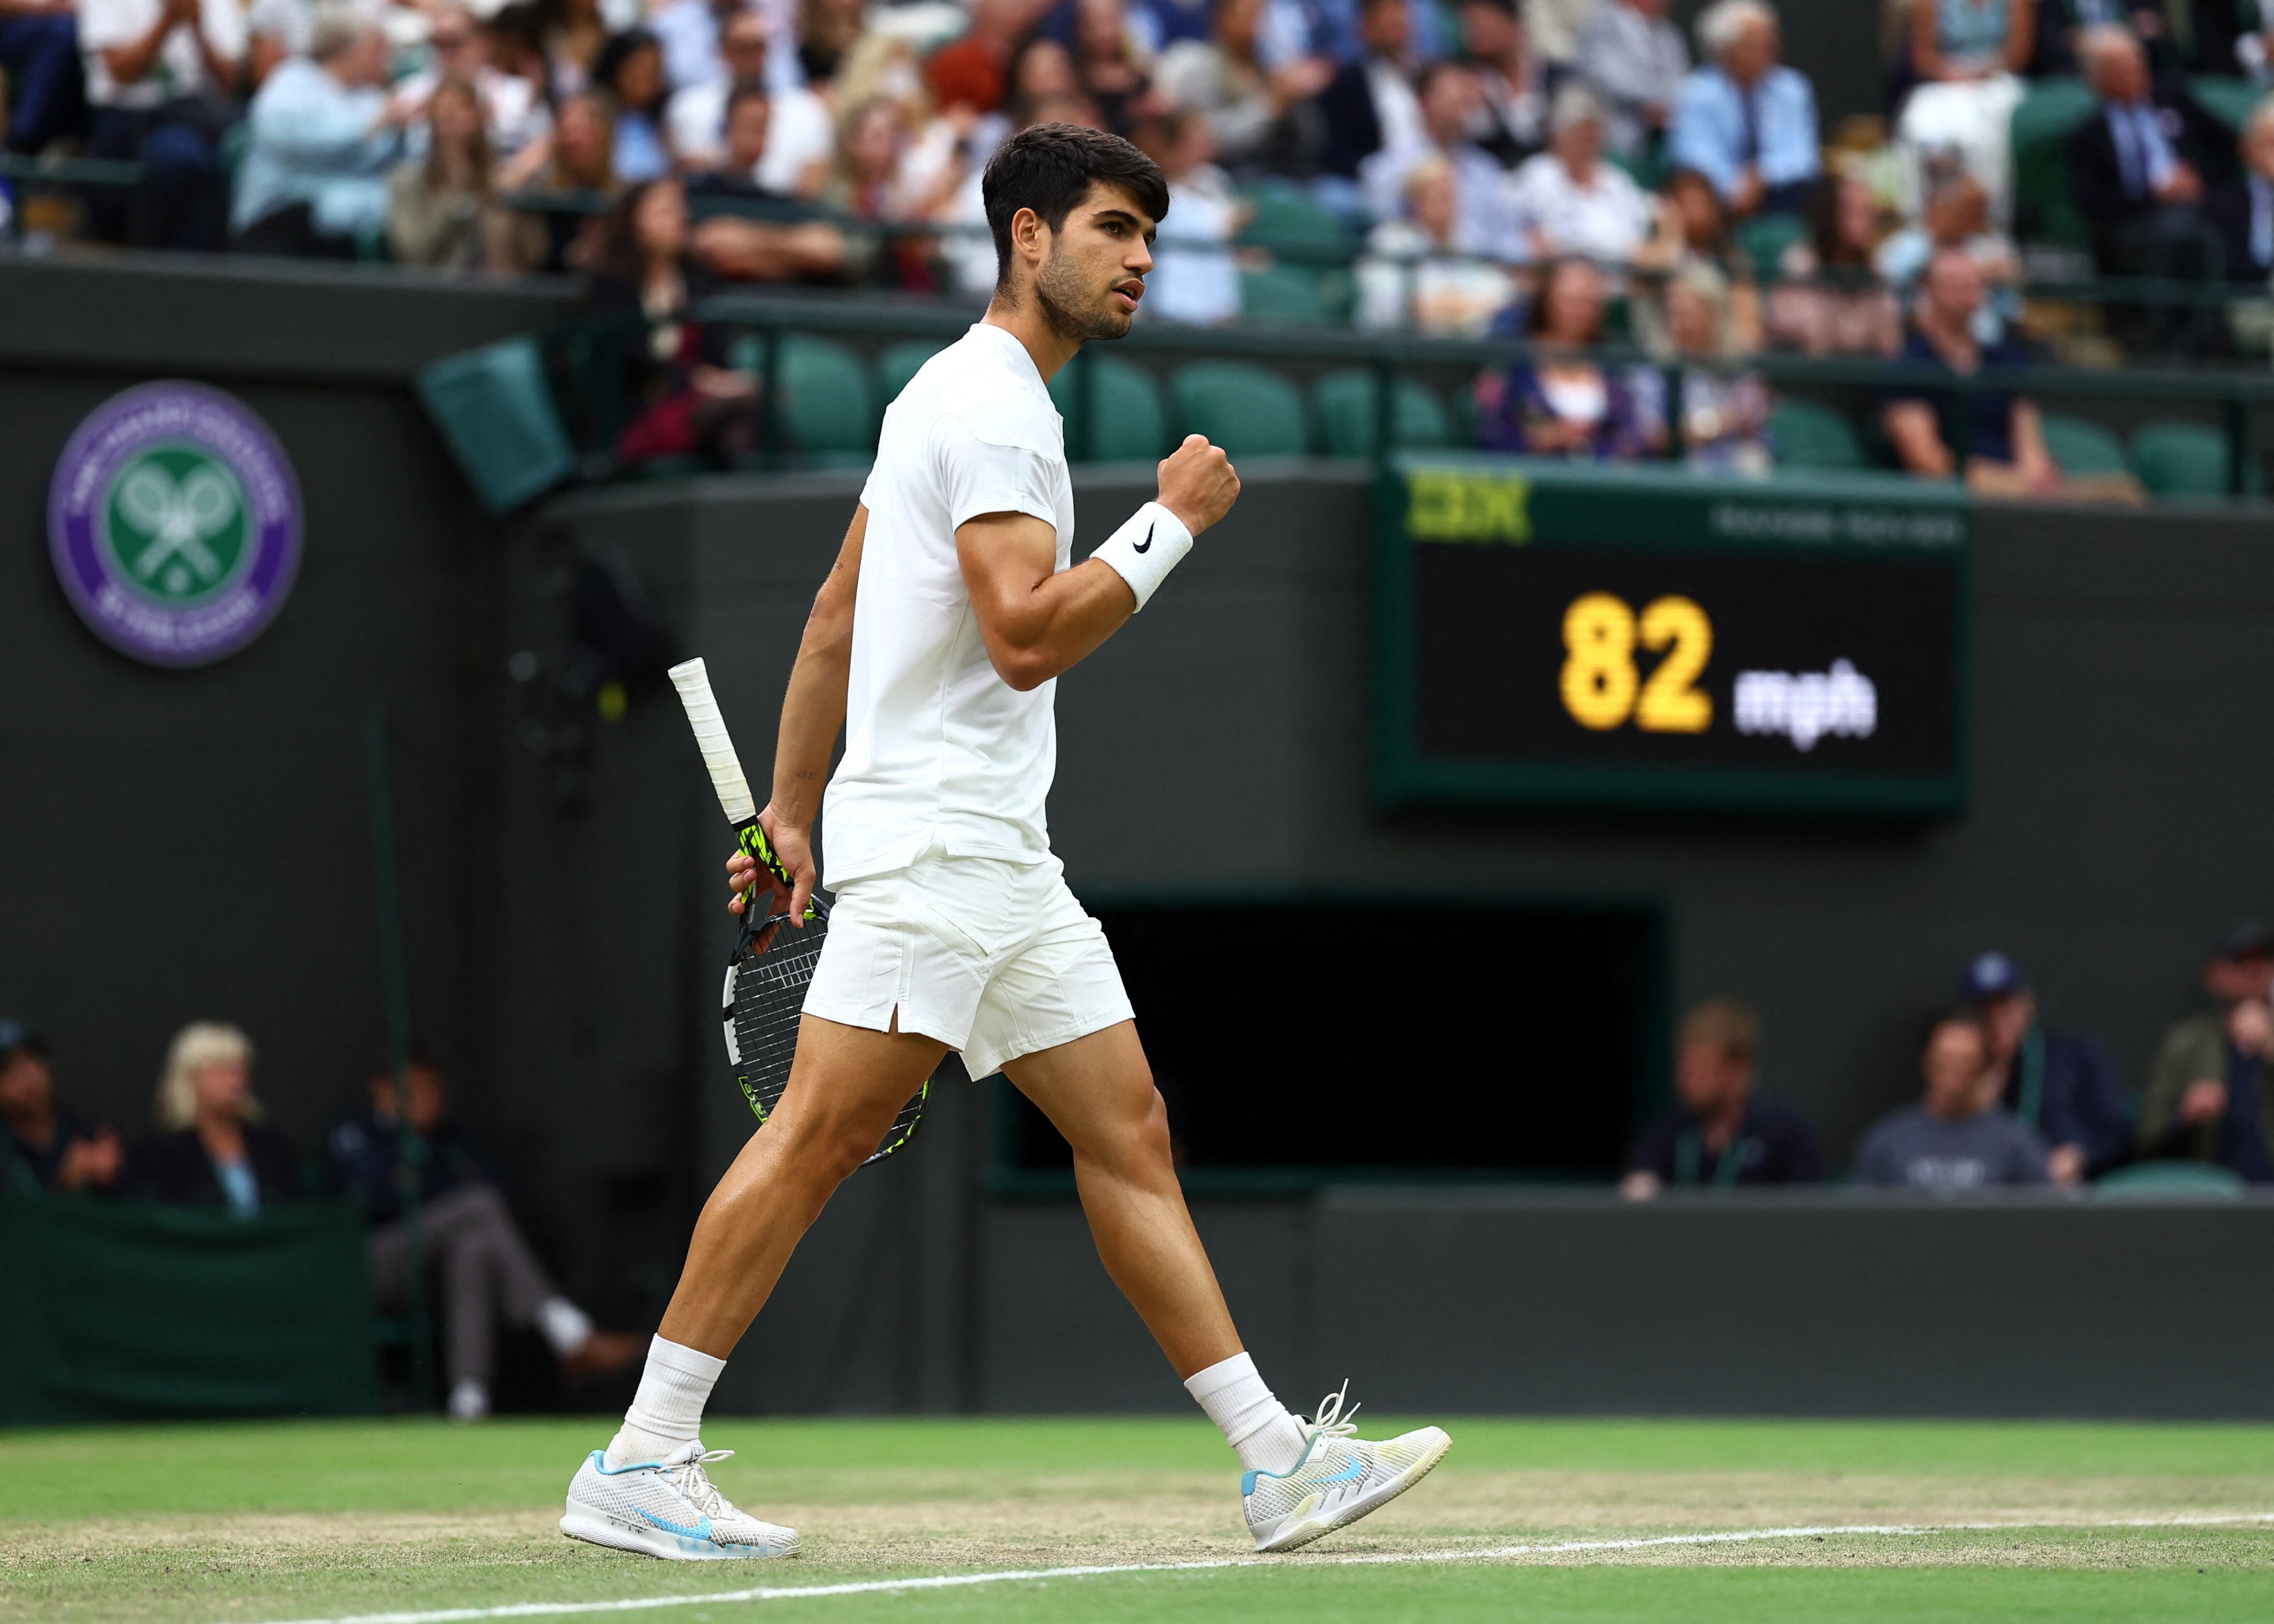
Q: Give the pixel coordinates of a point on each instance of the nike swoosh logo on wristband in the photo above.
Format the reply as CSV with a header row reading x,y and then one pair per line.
x,y
1147,544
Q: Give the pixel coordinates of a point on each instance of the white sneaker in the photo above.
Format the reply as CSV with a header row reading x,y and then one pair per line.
x,y
668,1509
1338,1480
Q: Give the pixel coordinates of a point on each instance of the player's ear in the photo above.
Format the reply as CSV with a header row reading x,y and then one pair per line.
x,y
1028,235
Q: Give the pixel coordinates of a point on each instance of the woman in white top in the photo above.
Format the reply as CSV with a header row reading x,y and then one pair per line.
x,y
1419,272
1567,200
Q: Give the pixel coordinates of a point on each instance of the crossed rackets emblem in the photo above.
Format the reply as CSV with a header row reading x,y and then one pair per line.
x,y
180,517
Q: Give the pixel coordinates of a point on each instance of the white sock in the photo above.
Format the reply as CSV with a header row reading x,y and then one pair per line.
x,y
470,1400
566,1327
667,1413
1255,1424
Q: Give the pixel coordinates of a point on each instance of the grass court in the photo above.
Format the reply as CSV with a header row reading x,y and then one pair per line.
x,y
1578,1521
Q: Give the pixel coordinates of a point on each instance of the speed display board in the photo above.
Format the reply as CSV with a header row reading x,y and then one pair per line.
x,y
1560,633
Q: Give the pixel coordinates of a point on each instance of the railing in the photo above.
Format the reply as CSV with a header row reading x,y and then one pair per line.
x,y
768,320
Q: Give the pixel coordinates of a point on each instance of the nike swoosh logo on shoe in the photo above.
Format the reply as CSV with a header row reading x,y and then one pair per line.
x,y
702,1531
1356,1469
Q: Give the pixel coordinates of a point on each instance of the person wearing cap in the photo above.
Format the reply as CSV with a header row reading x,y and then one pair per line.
x,y
2059,1083
57,1147
2206,1094
1721,1133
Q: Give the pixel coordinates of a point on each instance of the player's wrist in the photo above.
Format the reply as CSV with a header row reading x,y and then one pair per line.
x,y
1153,542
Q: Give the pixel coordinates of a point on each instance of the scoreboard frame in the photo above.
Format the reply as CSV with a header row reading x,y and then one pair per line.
x,y
1439,499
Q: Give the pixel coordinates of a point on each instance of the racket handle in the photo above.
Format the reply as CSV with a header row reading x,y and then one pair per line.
x,y
752,837
694,686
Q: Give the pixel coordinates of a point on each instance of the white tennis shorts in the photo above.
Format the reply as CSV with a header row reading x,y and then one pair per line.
x,y
995,958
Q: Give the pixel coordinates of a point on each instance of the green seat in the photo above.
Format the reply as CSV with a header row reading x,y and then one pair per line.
x,y
1246,410
2166,1181
825,402
494,408
1286,294
2082,447
1765,237
2039,131
1130,426
2225,97
1347,404
1808,435
1289,223
2186,459
902,362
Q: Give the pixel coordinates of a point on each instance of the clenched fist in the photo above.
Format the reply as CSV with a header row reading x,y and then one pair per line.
x,y
1198,483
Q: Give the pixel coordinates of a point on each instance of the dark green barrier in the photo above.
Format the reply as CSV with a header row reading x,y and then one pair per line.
x,y
113,1313
1553,633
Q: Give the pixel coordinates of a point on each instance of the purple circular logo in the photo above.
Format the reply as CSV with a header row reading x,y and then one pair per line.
x,y
174,522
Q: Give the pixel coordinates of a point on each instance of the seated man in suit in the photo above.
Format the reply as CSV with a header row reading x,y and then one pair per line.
x,y
2141,169
1369,104
2245,210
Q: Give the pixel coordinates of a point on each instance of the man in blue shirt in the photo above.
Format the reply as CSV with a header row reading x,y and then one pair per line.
x,y
1957,1140
1746,122
2059,1083
324,133
1721,1133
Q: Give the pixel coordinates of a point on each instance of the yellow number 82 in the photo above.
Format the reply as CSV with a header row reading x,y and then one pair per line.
x,y
1600,685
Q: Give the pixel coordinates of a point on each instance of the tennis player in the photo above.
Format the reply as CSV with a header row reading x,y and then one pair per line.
x,y
936,643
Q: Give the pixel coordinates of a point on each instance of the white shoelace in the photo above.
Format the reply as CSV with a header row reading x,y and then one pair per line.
x,y
1330,1421
695,1484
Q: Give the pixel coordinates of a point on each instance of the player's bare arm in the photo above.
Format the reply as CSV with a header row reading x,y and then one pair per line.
x,y
813,712
1037,620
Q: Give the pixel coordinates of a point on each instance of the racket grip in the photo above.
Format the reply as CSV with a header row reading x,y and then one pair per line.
x,y
694,685
752,837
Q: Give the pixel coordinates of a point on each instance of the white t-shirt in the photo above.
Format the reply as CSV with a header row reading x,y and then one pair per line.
x,y
938,749
179,71
1607,220
798,131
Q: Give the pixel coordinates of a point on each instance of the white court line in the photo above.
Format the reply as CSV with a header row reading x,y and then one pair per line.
x,y
943,1582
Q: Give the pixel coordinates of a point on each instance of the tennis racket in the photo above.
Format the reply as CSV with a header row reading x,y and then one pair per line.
x,y
771,962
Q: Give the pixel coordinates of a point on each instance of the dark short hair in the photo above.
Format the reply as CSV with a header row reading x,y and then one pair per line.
x,y
1051,169
746,90
1955,1015
1535,316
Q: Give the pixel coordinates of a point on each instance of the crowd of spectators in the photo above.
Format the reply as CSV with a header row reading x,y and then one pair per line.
x,y
209,1147
1578,172
2005,1099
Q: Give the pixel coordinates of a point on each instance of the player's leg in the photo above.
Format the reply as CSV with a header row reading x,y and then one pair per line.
x,y
647,1492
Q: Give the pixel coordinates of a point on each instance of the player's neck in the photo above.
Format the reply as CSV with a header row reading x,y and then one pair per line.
x,y
1028,321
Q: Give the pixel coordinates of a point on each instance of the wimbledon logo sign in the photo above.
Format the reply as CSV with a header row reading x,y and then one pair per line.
x,y
173,523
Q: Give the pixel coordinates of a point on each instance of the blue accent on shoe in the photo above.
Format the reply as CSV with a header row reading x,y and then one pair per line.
x,y
600,1465
701,1533
1247,1483
1248,1478
1356,1469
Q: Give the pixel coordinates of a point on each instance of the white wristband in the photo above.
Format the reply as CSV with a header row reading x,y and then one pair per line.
x,y
1145,550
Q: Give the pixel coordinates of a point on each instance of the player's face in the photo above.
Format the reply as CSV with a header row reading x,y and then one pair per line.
x,y
1094,276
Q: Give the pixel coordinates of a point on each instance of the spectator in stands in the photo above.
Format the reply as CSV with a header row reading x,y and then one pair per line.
x,y
1450,99
791,246
1636,61
1114,66
324,133
2142,171
688,31
1556,28
1725,410
1416,272
160,74
1696,232
442,209
2059,1083
685,400
275,31
1193,277
1225,81
629,68
483,1265
1369,104
1745,121
1957,215
2003,453
975,71
39,54
1830,301
54,1146
574,32
2244,209
516,81
1720,1132
800,135
2207,1098
514,111
1512,124
1568,201
212,1148
827,30
865,180
1957,1138
576,164
1966,56
1562,402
